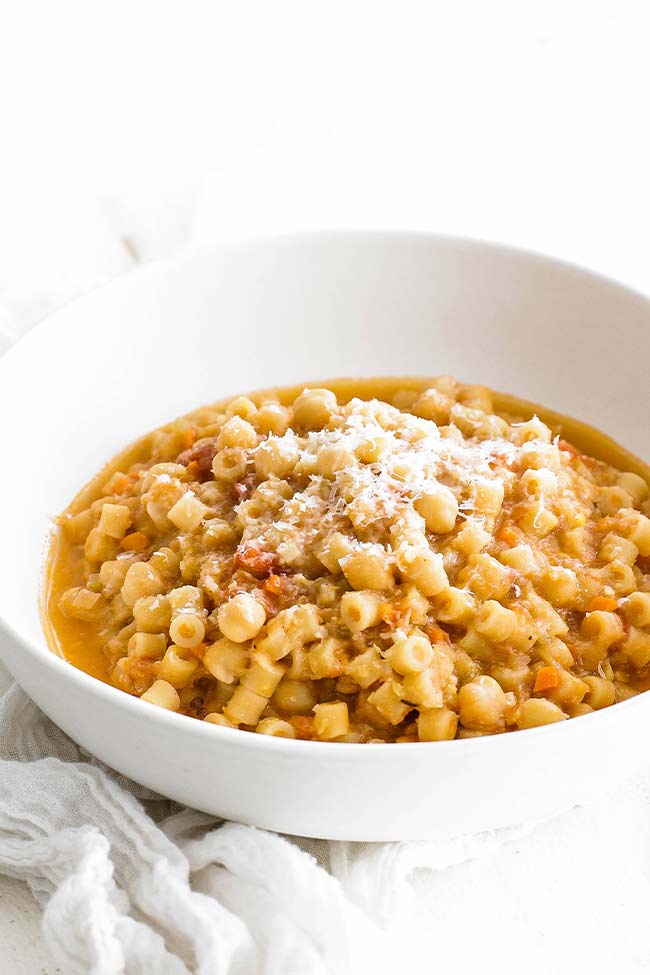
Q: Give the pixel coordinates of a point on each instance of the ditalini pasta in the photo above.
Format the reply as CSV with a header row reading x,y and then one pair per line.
x,y
333,564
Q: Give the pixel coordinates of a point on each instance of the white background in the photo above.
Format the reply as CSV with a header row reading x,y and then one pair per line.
x,y
521,121
518,120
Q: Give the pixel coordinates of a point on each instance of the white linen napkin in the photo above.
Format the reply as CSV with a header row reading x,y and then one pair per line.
x,y
131,883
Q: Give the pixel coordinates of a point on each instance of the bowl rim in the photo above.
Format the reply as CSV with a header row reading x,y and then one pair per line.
x,y
42,655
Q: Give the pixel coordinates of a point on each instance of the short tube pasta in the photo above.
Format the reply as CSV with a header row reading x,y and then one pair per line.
x,y
360,610
245,706
177,668
410,655
331,720
162,694
187,630
362,561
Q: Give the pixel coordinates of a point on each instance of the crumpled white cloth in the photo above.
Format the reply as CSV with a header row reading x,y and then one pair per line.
x,y
131,884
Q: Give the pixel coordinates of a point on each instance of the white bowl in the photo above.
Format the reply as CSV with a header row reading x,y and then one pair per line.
x,y
163,340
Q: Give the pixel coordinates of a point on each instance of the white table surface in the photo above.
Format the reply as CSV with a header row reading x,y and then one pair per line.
x,y
22,951
520,122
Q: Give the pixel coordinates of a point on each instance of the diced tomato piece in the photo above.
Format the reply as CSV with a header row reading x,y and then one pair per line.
x,y
256,561
303,726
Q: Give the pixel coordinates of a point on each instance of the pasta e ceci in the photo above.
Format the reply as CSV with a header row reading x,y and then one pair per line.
x,y
355,563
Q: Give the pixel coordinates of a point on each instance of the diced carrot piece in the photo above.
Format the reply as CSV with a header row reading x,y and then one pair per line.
x,y
547,678
120,484
565,445
189,436
391,614
273,585
508,535
135,542
435,633
605,603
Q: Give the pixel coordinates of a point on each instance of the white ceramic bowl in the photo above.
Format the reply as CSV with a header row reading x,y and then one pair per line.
x,y
166,339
